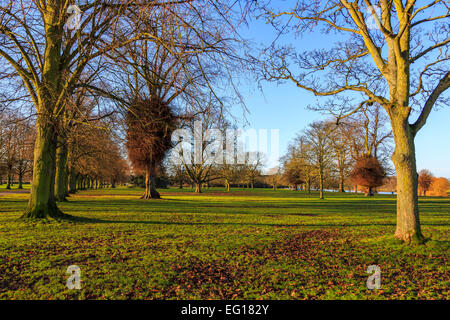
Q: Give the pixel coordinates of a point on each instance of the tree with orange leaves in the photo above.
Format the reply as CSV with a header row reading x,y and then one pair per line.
x,y
425,180
369,173
439,187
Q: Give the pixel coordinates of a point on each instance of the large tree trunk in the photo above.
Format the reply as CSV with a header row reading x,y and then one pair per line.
x,y
369,192
341,181
404,158
150,189
20,176
227,185
197,187
72,182
181,182
61,178
42,203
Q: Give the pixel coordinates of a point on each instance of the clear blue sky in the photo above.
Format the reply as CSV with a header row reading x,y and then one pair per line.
x,y
283,107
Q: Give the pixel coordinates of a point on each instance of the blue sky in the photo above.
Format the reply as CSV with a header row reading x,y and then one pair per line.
x,y
283,107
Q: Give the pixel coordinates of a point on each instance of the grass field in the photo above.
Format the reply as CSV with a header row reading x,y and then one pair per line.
x,y
256,244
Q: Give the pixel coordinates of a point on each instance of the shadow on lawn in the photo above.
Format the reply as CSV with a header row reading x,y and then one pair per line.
x,y
95,220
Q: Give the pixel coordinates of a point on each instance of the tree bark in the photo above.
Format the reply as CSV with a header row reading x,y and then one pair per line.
x,y
321,197
369,192
197,187
42,202
404,158
9,179
61,177
341,182
150,189
72,182
20,176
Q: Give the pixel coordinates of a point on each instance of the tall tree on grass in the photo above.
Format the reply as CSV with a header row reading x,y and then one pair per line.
x,y
254,161
293,171
389,52
318,136
342,152
49,52
425,180
48,56
199,145
24,155
150,123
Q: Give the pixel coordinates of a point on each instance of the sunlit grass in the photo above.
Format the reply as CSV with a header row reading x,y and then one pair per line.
x,y
245,244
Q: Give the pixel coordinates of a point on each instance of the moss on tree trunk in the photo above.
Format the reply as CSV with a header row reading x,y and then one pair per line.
x,y
20,181
42,202
61,177
72,182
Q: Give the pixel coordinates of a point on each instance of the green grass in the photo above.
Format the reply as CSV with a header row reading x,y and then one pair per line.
x,y
246,244
14,187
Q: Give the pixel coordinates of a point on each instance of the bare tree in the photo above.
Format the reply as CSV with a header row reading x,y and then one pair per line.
x,y
342,151
318,136
199,144
384,59
254,162
49,59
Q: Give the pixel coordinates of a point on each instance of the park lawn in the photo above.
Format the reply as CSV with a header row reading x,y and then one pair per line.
x,y
14,187
246,244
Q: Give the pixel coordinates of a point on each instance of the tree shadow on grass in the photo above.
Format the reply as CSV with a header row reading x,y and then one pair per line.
x,y
78,219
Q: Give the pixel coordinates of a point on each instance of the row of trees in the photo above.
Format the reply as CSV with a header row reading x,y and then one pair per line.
x,y
182,51
73,73
16,149
89,155
429,184
358,148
